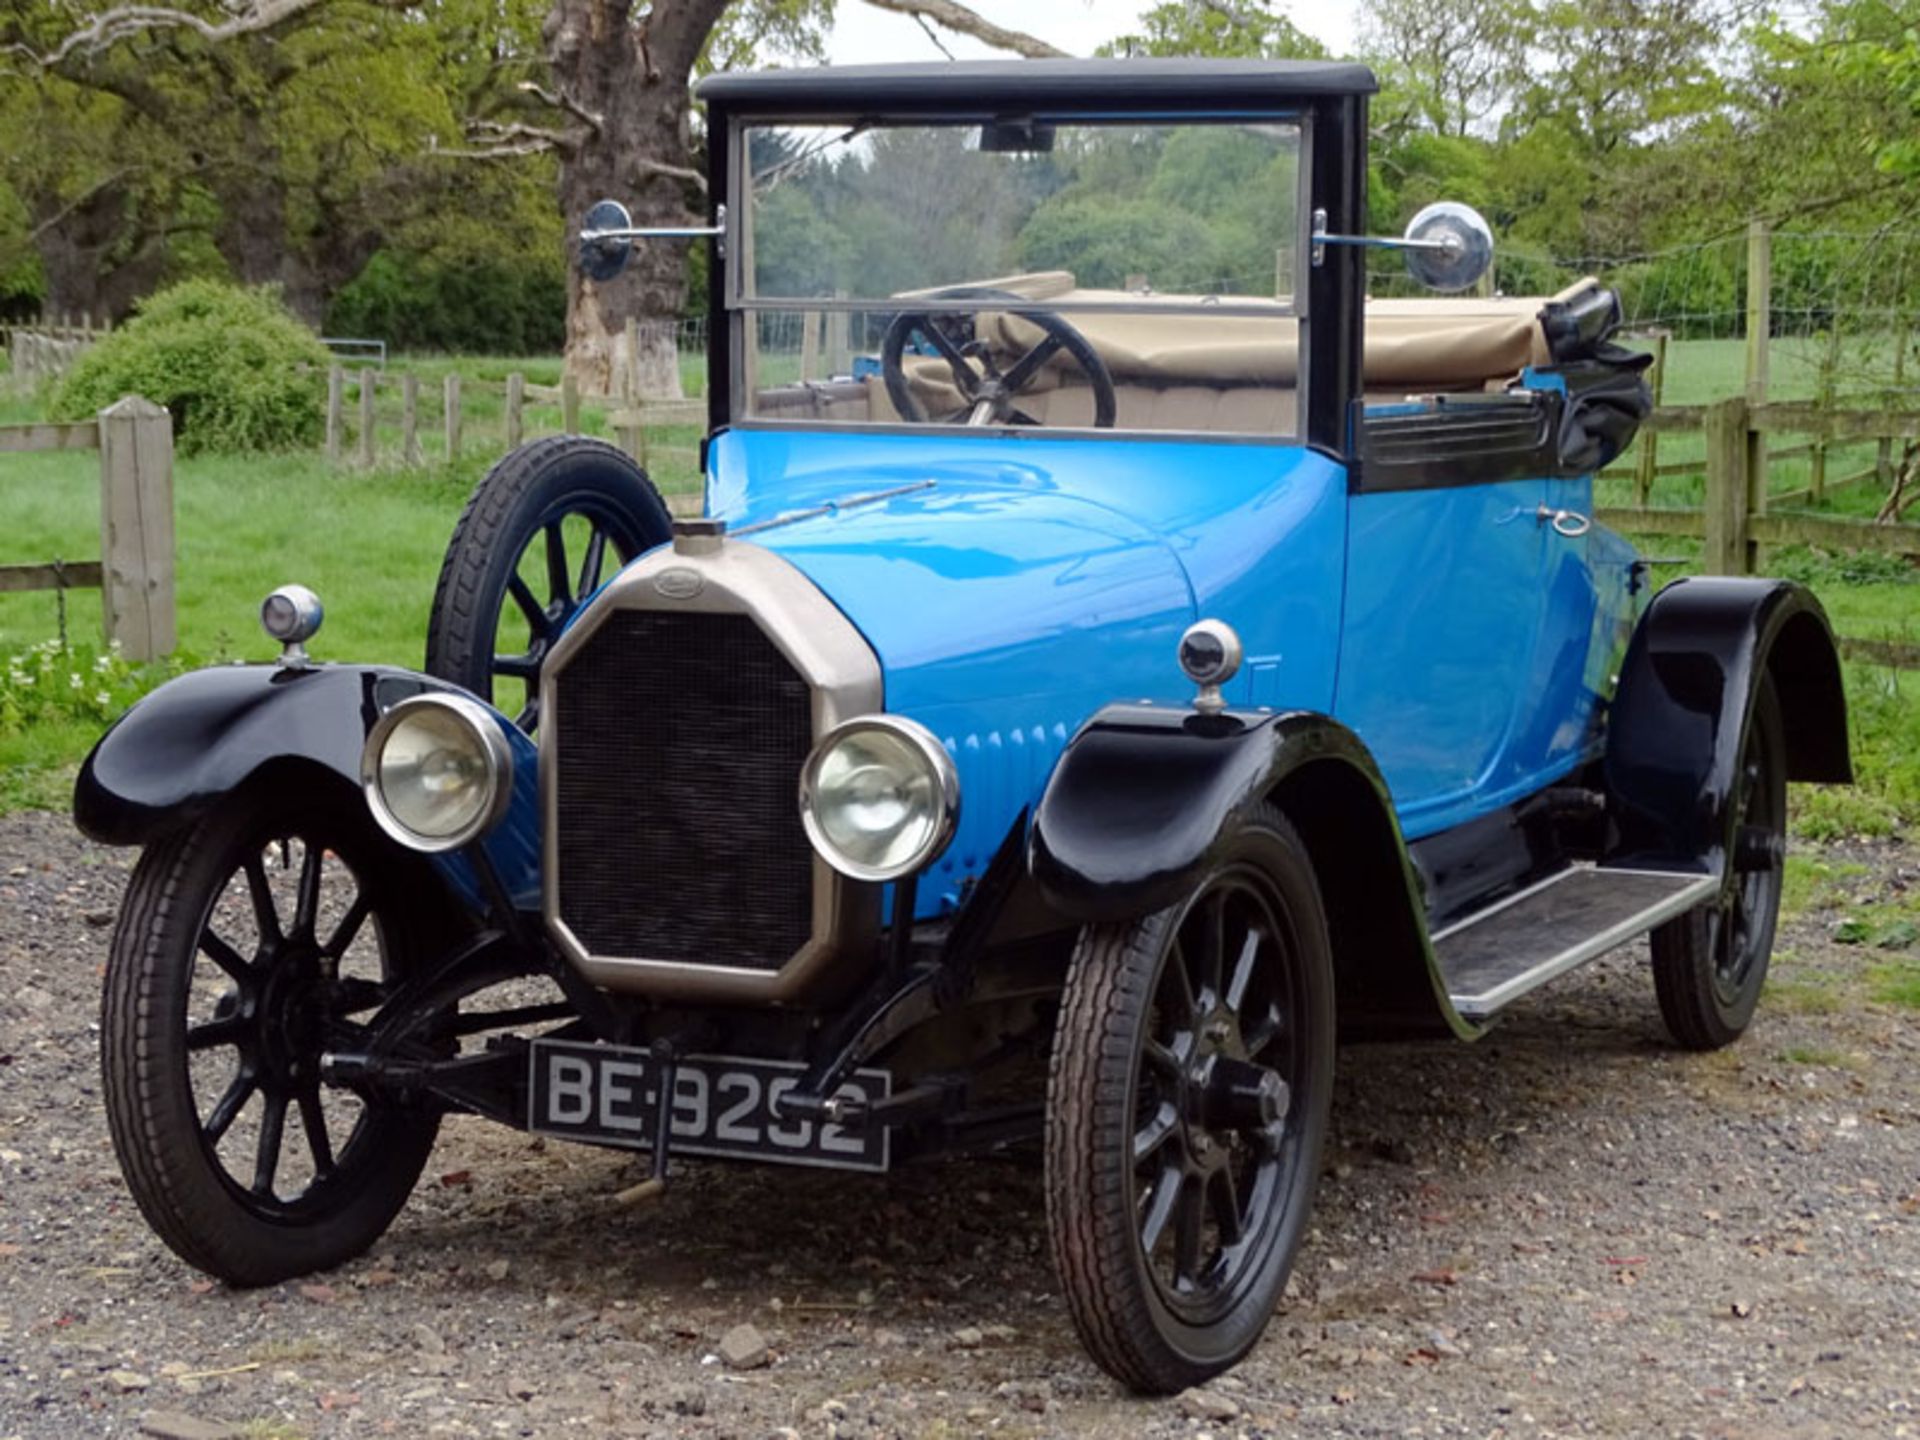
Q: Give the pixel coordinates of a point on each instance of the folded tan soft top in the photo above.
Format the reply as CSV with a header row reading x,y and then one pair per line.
x,y
1411,344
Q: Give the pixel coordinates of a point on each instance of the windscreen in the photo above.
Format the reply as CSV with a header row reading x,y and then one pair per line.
x,y
1021,272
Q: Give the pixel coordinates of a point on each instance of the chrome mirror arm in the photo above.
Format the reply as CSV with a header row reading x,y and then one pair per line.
x,y
608,233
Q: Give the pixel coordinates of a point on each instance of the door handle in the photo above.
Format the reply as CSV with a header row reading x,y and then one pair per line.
x,y
1570,523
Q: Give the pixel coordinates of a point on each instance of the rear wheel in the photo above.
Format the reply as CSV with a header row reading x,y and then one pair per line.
x,y
1710,964
543,530
248,945
1187,1110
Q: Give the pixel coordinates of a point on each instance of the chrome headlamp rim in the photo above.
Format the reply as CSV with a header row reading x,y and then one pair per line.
x,y
498,754
946,779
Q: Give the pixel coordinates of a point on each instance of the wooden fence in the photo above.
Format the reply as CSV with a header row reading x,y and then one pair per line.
x,y
1740,518
43,350
634,421
135,570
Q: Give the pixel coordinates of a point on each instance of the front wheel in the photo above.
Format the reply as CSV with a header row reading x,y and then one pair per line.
x,y
1710,964
248,945
1187,1110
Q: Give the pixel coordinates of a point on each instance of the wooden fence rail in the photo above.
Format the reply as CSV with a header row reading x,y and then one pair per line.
x,y
135,570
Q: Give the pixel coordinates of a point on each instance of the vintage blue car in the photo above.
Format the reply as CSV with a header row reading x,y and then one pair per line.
x,y
1139,660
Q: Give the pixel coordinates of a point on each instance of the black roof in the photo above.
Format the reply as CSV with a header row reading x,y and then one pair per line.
x,y
1027,86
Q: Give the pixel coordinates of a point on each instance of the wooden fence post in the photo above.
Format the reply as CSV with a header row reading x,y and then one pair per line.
x,y
569,404
336,388
450,415
516,398
1759,361
809,344
410,420
1725,520
1883,466
1647,467
1823,397
136,527
366,418
629,386
839,340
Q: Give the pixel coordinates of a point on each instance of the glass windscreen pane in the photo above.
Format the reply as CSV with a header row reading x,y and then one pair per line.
x,y
1023,273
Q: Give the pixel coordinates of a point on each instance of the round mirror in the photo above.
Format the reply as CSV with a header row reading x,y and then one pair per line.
x,y
604,259
1455,246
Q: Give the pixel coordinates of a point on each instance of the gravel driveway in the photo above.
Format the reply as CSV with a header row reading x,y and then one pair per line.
x,y
1569,1229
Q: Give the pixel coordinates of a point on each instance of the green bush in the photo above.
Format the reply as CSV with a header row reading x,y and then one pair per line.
x,y
226,361
486,306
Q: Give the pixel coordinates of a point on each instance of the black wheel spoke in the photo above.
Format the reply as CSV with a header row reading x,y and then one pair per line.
x,y
1242,975
349,926
517,667
529,715
225,956
559,575
307,907
353,995
238,1092
264,914
1261,1031
1225,1198
212,1034
1028,365
529,604
314,1121
592,562
1212,947
1162,1059
1161,1201
273,1124
1160,1127
1189,1216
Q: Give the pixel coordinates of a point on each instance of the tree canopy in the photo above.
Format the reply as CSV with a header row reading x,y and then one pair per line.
x,y
389,162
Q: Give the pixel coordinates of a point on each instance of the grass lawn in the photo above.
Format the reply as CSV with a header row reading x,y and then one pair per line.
x,y
371,541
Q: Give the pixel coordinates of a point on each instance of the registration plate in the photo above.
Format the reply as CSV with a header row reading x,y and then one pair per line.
x,y
722,1105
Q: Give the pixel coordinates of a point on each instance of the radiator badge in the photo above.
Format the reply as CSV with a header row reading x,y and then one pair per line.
x,y
679,583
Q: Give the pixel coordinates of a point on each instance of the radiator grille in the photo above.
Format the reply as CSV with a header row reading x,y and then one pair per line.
x,y
678,747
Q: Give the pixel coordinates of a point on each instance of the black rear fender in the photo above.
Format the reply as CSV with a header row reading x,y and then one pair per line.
x,y
1135,810
1686,694
174,756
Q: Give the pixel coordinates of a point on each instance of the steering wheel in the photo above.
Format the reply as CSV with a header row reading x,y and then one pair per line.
x,y
990,393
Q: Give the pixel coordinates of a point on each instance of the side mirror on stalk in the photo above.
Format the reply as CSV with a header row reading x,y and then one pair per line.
x,y
1448,246
608,232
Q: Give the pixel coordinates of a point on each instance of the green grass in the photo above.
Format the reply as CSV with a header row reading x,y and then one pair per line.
x,y
1896,983
371,541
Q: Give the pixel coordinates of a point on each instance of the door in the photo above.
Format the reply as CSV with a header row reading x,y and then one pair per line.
x,y
1443,611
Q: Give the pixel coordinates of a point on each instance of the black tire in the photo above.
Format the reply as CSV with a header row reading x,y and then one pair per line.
x,y
560,491
1710,964
1113,1065
230,972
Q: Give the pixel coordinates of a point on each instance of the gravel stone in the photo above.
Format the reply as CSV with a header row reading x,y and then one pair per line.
x,y
1781,1175
744,1348
177,1425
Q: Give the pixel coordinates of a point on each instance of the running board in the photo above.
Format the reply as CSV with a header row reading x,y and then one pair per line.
x,y
1492,958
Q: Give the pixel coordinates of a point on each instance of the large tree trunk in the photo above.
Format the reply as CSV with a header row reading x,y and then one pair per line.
x,y
96,259
628,83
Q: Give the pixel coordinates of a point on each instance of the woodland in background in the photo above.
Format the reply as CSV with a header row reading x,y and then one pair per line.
x,y
400,168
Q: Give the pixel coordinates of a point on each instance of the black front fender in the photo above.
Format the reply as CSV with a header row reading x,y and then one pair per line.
x,y
172,756
1132,818
1686,695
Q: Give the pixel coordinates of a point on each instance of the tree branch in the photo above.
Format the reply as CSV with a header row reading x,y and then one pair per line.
x,y
593,120
957,17
112,26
